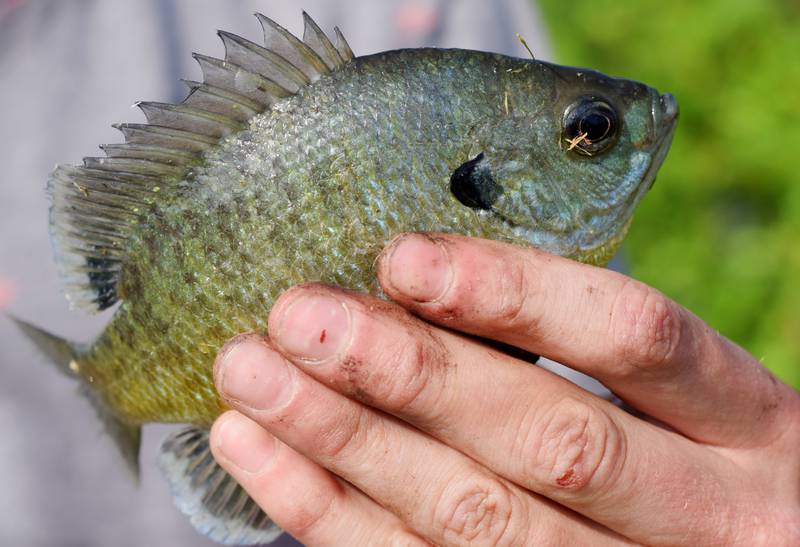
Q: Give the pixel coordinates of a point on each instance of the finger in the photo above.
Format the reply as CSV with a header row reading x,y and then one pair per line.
x,y
651,352
441,494
302,498
533,428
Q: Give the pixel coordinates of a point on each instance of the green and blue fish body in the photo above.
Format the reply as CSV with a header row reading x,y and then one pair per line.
x,y
298,162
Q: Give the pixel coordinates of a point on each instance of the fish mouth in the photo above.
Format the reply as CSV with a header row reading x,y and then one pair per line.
x,y
669,109
665,112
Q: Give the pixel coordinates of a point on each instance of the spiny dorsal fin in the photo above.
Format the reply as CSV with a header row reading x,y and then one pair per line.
x,y
164,137
259,60
188,118
229,76
221,101
288,46
214,502
160,154
95,207
342,46
319,42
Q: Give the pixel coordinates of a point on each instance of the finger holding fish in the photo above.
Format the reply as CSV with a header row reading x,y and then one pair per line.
x,y
523,423
659,357
305,500
435,490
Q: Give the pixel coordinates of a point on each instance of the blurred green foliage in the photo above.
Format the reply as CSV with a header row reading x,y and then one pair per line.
x,y
720,231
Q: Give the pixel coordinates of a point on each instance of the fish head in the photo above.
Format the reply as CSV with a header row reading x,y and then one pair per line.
x,y
571,157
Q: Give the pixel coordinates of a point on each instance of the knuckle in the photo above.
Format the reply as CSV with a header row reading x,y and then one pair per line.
x,y
410,375
575,447
399,373
646,328
345,436
304,519
413,367
511,296
475,511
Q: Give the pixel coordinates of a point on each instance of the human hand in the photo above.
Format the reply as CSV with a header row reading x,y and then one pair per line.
x,y
359,424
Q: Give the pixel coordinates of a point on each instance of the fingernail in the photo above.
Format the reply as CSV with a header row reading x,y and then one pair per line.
x,y
255,376
245,444
419,268
314,328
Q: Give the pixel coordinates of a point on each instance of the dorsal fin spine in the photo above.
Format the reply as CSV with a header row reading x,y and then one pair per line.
x,y
257,59
186,118
228,75
297,52
320,43
174,139
152,153
135,166
221,101
342,46
95,206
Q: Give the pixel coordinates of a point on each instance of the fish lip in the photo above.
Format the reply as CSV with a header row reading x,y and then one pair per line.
x,y
669,109
665,112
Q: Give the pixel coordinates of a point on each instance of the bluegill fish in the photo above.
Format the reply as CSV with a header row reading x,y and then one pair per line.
x,y
296,161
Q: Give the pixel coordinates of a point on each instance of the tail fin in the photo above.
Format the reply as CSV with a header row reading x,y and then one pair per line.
x,y
65,356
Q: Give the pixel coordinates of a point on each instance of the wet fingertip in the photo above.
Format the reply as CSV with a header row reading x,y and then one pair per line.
x,y
224,354
291,295
253,376
242,444
219,422
417,266
313,327
214,437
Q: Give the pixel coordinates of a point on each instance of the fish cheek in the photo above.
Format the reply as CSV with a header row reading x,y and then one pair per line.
x,y
638,127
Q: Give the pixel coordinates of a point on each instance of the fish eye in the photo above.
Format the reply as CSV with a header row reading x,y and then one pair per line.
x,y
590,126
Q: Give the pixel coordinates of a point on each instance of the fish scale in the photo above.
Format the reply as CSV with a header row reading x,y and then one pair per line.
x,y
298,162
331,202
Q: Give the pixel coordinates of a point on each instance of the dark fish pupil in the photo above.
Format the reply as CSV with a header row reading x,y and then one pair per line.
x,y
590,126
596,126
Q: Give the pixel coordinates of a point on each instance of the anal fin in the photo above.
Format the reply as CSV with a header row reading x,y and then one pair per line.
x,y
127,437
215,504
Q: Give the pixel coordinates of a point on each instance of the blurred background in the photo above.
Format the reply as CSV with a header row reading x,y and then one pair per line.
x,y
718,233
